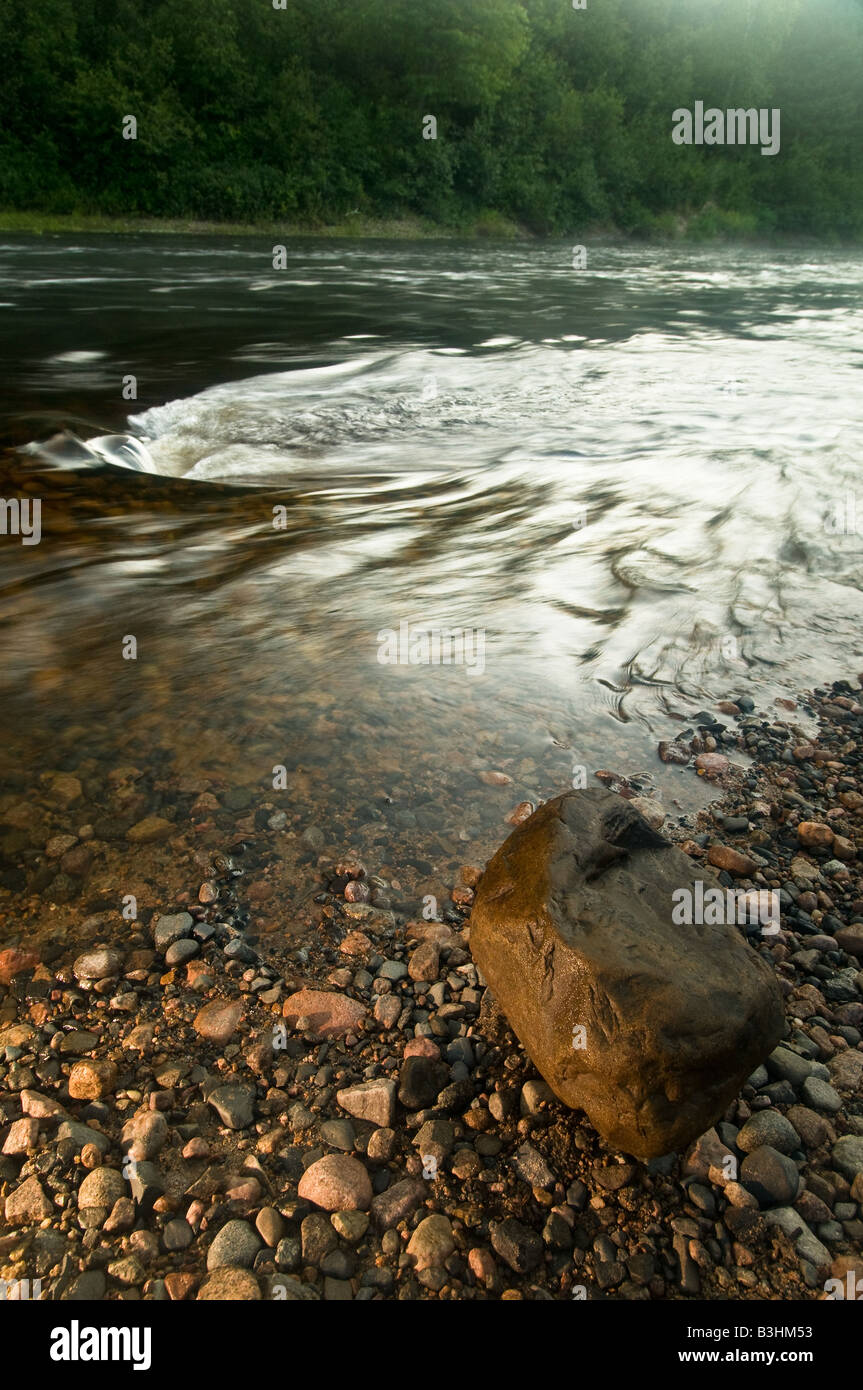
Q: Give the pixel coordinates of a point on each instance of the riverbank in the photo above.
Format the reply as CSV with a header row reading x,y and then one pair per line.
x,y
706,224
400,229
197,1104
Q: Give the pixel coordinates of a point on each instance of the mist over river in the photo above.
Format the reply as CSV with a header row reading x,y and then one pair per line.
x,y
636,480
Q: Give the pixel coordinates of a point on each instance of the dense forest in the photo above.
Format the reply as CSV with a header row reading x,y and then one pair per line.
x,y
549,116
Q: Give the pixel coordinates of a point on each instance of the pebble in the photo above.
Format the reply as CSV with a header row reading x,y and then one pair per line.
x,y
236,1244
181,951
339,1134
374,1101
234,1105
848,1156
92,1078
420,1082
422,1047
517,1245
218,1021
177,1235
534,1095
770,1176
432,1243
532,1168
820,1095
813,835
27,1204
15,960
722,857
151,830
350,1225
813,1129
394,970
771,1128
381,1145
102,1188
790,1066
807,1246
671,752
82,1136
850,939
288,1253
337,1183
318,1239
387,1010
330,1015
66,788
23,1135
171,928
356,943
424,964
145,1134
78,1042
482,1265
97,965
711,765
398,1202
230,1285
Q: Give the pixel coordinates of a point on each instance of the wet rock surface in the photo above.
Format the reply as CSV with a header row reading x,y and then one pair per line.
x,y
649,1026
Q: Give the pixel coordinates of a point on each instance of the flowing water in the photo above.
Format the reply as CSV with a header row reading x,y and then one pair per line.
x,y
631,485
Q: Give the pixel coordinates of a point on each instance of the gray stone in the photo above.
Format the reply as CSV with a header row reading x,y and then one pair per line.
x,y
171,928
234,1105
848,1155
393,970
178,1234
821,1095
806,1244
768,1127
180,951
532,1168
339,1134
79,1135
89,1287
97,965
790,1066
236,1244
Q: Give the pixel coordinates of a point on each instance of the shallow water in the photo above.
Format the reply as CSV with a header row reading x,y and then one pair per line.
x,y
622,480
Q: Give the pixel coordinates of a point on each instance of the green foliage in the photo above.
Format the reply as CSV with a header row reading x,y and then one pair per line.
x,y
549,118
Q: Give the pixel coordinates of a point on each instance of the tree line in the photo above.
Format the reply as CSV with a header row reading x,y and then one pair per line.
x,y
547,115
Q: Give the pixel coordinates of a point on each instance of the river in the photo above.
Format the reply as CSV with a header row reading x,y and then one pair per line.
x,y
615,494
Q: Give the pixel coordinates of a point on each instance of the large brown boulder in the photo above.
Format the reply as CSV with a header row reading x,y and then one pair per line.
x,y
572,928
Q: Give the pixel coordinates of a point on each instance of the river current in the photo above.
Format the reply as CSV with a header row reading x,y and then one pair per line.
x,y
631,486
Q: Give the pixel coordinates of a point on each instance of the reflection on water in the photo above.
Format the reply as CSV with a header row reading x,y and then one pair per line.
x,y
620,476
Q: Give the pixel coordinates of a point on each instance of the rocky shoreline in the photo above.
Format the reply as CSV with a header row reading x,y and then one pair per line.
x,y
189,1111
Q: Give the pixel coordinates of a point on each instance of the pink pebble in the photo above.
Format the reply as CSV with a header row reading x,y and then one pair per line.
x,y
422,1047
